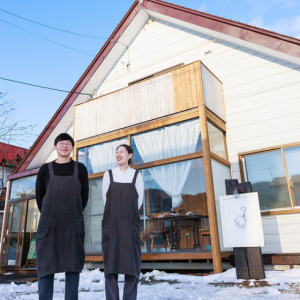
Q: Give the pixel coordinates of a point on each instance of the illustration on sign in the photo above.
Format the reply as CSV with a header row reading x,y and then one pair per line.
x,y
241,221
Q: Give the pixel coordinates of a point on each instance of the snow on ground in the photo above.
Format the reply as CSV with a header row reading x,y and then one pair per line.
x,y
165,286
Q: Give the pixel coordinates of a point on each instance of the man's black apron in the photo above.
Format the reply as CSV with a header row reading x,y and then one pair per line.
x,y
60,233
121,244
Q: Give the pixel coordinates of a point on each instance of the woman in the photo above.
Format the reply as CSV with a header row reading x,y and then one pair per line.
x,y
122,192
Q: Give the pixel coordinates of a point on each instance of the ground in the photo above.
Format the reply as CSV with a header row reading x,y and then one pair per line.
x,y
163,286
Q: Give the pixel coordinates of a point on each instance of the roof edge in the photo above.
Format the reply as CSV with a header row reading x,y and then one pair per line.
x,y
247,33
226,21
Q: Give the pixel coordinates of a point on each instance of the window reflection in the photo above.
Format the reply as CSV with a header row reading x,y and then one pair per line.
x,y
16,218
23,187
29,248
216,140
12,250
93,215
170,224
267,175
292,159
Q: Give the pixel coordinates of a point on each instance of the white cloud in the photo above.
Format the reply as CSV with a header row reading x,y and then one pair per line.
x,y
259,5
203,8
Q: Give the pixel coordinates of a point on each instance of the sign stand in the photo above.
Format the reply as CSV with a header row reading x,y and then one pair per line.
x,y
248,260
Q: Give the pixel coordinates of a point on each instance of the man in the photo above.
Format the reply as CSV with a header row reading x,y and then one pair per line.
x,y
61,195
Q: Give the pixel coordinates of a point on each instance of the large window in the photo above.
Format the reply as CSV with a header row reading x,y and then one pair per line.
x,y
93,215
174,213
275,175
174,206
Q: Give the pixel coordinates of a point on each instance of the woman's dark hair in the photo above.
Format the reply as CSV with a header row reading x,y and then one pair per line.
x,y
129,150
63,137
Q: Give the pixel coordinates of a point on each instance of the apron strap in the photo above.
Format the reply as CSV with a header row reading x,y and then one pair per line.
x,y
135,176
50,167
75,168
110,176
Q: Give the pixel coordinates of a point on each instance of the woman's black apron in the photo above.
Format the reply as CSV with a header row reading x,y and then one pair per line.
x,y
121,244
60,233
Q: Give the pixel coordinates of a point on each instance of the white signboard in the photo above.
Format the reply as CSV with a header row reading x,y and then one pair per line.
x,y
241,221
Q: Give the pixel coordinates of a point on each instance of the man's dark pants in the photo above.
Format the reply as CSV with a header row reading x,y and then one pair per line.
x,y
71,286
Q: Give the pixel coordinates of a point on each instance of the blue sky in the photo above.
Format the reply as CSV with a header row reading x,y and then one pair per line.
x,y
25,57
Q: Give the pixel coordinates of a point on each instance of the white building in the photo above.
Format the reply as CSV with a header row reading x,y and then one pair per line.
x,y
221,96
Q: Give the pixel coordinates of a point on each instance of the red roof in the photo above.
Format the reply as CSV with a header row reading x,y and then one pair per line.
x,y
255,35
11,152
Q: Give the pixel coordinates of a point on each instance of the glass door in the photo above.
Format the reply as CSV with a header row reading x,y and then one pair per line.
x,y
14,235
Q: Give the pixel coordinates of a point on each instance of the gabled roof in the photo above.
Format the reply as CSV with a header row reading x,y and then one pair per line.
x,y
261,37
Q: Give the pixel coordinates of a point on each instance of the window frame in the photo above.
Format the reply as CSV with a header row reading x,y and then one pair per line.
x,y
243,173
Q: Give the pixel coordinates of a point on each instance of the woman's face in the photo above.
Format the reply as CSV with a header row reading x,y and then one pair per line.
x,y
122,156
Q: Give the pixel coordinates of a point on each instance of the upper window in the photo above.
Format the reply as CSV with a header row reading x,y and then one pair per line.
x,y
169,141
275,175
101,157
216,140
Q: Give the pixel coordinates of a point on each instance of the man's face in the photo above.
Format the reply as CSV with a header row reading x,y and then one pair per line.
x,y
64,148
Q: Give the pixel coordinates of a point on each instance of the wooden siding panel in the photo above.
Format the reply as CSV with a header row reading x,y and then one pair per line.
x,y
138,103
213,93
186,85
281,233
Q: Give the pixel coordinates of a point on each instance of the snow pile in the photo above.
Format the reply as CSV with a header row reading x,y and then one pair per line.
x,y
157,285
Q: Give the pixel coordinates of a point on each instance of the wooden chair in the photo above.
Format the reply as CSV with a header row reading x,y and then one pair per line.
x,y
205,232
159,228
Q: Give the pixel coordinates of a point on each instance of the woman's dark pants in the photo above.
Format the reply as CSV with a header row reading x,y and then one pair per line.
x,y
71,286
112,288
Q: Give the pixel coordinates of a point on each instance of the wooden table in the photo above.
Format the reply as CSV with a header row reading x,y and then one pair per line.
x,y
176,233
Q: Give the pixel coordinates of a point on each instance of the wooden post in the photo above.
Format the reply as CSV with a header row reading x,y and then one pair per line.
x,y
209,183
241,263
248,260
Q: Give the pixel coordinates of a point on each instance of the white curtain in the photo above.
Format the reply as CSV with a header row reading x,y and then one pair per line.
x,y
103,156
165,143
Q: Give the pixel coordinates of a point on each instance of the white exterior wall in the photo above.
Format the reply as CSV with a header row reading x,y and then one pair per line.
x,y
260,92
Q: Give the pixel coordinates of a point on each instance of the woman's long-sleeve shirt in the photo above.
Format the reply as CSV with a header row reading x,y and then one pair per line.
x,y
124,177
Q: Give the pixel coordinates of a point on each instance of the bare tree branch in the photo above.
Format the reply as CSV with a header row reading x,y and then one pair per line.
x,y
11,133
